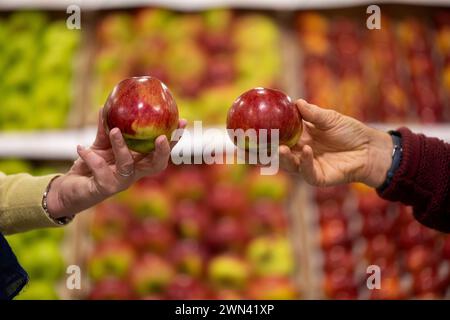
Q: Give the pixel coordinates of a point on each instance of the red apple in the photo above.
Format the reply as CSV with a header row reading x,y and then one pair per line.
x,y
111,220
338,194
446,248
419,257
143,109
414,233
263,108
192,219
426,281
370,203
339,257
334,232
272,288
111,289
267,217
152,235
149,201
227,233
187,288
189,257
376,223
111,259
390,289
330,209
188,183
338,280
151,274
227,199
380,246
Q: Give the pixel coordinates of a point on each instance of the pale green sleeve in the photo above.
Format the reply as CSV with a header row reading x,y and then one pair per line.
x,y
21,203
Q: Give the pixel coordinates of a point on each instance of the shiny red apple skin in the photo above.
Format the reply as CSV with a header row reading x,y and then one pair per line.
x,y
264,108
143,109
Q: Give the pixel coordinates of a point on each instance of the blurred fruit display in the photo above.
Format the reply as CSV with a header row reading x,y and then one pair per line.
x,y
36,67
39,252
393,74
207,59
213,232
358,229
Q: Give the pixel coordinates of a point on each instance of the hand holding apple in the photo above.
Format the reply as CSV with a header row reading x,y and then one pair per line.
x,y
336,149
104,169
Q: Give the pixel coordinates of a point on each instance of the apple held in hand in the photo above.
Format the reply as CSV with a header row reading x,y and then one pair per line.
x,y
143,109
263,108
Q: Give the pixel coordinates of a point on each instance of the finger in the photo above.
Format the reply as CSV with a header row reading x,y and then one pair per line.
x,y
102,139
306,165
159,158
319,117
181,126
124,159
288,161
98,166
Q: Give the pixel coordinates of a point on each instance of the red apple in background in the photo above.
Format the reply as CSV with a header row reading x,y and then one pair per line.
x,y
143,109
192,219
189,257
334,232
228,199
380,246
330,209
272,288
339,257
414,233
111,289
263,108
446,248
227,233
266,217
151,274
187,288
111,220
376,223
111,259
419,257
390,289
152,235
338,194
188,183
338,280
426,281
149,201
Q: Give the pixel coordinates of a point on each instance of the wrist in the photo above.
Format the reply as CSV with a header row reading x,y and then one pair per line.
x,y
379,158
55,204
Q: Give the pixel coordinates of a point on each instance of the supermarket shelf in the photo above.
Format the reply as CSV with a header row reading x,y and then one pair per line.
x,y
201,4
61,145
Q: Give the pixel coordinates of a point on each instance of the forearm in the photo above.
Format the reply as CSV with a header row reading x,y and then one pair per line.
x,y
21,203
423,180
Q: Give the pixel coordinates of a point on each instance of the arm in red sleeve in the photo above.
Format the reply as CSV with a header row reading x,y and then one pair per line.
x,y
423,180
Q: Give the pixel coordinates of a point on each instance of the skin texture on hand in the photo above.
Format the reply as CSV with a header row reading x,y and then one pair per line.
x,y
95,175
335,149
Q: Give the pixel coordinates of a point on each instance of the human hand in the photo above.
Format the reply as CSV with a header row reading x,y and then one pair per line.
x,y
335,149
104,169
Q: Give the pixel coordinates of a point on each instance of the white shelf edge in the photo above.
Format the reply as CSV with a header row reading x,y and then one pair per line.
x,y
61,145
184,5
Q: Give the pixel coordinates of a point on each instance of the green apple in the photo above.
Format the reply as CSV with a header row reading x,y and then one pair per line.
x,y
38,290
13,166
271,256
228,271
43,260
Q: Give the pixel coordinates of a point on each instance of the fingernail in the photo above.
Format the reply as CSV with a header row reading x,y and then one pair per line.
x,y
80,148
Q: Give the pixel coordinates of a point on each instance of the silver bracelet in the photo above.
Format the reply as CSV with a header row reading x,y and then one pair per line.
x,y
60,221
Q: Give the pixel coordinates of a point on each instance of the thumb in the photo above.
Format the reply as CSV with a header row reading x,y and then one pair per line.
x,y
320,117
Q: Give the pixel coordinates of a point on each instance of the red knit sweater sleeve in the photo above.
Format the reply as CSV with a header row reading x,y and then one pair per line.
x,y
423,180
